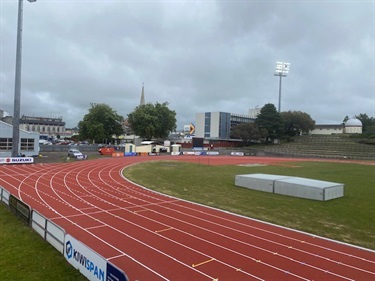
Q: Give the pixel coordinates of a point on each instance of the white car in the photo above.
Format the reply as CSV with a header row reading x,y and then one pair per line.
x,y
75,153
45,142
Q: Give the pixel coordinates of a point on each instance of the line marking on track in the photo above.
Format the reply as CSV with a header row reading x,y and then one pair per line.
x,y
95,227
144,210
203,262
162,230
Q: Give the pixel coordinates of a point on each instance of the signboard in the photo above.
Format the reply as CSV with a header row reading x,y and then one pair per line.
x,y
89,263
16,160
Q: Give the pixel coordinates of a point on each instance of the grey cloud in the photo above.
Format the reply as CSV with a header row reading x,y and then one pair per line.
x,y
198,56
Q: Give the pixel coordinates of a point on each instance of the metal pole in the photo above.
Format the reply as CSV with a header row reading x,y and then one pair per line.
x,y
280,94
17,88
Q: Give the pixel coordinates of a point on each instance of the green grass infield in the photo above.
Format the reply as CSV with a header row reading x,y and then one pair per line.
x,y
350,219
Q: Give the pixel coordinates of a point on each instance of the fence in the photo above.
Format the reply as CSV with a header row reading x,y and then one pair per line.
x,y
89,263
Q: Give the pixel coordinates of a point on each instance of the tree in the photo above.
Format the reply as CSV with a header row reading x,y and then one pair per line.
x,y
247,132
100,124
296,122
368,123
152,120
270,120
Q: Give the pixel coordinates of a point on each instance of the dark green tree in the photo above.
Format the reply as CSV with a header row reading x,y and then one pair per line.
x,y
297,122
368,123
248,133
100,124
150,121
270,120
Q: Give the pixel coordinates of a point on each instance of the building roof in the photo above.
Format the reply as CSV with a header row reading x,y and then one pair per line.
x,y
353,122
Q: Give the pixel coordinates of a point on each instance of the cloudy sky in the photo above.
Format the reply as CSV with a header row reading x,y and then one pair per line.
x,y
199,56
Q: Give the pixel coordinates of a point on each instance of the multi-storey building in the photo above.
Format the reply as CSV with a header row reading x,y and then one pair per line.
x,y
217,125
43,125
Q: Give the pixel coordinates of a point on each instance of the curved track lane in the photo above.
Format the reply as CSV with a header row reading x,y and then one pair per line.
x,y
152,236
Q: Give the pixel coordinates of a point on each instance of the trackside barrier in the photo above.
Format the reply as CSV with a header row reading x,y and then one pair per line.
x,y
83,258
237,153
4,195
16,160
50,232
20,209
89,263
199,153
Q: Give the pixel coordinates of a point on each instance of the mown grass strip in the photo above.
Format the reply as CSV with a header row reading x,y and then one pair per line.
x,y
350,219
24,255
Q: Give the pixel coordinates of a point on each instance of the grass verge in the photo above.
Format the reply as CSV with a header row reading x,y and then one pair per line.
x,y
349,219
26,256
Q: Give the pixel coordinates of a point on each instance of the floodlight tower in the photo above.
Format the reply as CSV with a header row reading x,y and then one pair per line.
x,y
17,87
282,69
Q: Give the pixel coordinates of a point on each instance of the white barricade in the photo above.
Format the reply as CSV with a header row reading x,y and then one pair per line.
x,y
4,196
52,233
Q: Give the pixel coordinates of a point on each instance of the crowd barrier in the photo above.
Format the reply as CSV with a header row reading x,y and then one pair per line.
x,y
84,259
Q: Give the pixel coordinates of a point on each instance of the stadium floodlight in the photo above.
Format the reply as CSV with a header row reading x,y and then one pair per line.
x,y
17,87
282,70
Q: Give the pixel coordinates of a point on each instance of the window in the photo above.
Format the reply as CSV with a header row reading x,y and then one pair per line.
x,y
5,144
27,144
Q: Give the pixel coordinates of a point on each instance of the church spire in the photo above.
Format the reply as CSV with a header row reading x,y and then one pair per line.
x,y
143,95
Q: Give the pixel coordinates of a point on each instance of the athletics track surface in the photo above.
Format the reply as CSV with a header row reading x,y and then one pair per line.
x,y
155,237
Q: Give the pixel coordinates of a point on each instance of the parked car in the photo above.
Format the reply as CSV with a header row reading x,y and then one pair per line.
x,y
75,153
45,142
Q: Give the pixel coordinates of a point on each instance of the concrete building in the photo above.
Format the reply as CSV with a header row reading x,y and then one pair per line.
x,y
29,141
254,112
352,126
327,129
217,125
42,125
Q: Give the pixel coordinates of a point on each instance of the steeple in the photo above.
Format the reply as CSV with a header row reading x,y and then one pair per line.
x,y
143,95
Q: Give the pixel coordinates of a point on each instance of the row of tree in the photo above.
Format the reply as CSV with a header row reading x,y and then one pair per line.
x,y
156,121
147,121
270,125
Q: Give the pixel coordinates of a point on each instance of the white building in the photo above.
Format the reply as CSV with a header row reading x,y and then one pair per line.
x,y
353,126
254,112
28,144
327,129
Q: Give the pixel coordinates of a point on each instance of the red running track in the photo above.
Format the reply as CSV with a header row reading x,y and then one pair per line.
x,y
155,237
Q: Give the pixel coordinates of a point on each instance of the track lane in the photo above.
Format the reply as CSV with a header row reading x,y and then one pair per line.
x,y
80,188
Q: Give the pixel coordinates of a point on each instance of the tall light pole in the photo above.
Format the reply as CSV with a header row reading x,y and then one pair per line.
x,y
17,87
282,69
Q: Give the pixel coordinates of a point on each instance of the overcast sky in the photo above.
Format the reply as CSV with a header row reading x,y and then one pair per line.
x,y
199,56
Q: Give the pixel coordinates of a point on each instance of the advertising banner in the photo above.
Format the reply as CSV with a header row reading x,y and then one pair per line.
x,y
89,263
16,160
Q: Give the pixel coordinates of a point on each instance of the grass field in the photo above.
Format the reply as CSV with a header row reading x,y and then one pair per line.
x,y
350,219
24,255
